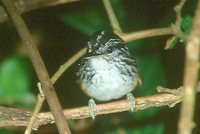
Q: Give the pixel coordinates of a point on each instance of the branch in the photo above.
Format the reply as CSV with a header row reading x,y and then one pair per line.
x,y
39,68
112,17
38,106
23,6
191,75
178,12
16,117
177,25
147,33
67,64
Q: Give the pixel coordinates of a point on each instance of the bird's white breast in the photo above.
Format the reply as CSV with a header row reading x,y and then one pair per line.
x,y
108,83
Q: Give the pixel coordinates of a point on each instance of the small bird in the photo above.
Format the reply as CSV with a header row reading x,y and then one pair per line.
x,y
108,71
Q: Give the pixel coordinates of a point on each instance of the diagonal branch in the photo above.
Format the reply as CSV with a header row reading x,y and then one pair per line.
x,y
39,68
112,17
178,12
126,37
38,106
67,64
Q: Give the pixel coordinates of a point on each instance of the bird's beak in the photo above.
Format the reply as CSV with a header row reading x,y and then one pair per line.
x,y
92,55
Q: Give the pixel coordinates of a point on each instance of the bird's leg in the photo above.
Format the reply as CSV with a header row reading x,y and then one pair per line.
x,y
132,101
92,108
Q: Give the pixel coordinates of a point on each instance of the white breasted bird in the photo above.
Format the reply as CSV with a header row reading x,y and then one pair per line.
x,y
108,70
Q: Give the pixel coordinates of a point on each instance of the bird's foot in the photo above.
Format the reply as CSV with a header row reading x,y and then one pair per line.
x,y
92,108
132,101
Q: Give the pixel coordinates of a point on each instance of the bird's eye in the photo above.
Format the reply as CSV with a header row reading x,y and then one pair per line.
x,y
110,49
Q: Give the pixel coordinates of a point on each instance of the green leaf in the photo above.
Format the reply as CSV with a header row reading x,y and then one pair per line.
x,y
173,42
15,82
186,24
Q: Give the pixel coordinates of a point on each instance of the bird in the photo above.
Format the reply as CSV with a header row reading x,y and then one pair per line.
x,y
108,71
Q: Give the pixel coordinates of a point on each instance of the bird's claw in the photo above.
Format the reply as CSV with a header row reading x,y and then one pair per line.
x,y
131,100
92,108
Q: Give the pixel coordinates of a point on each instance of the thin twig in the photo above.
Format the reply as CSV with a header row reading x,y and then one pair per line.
x,y
29,5
191,72
38,106
67,64
177,26
178,9
40,68
112,17
147,33
23,6
177,91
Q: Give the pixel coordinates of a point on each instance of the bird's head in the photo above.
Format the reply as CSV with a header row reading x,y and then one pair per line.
x,y
105,43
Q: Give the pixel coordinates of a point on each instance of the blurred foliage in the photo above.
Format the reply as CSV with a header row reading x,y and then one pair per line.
x,y
89,21
6,131
155,128
15,83
65,30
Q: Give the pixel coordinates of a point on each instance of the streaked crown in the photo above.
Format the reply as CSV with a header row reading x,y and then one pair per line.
x,y
104,42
